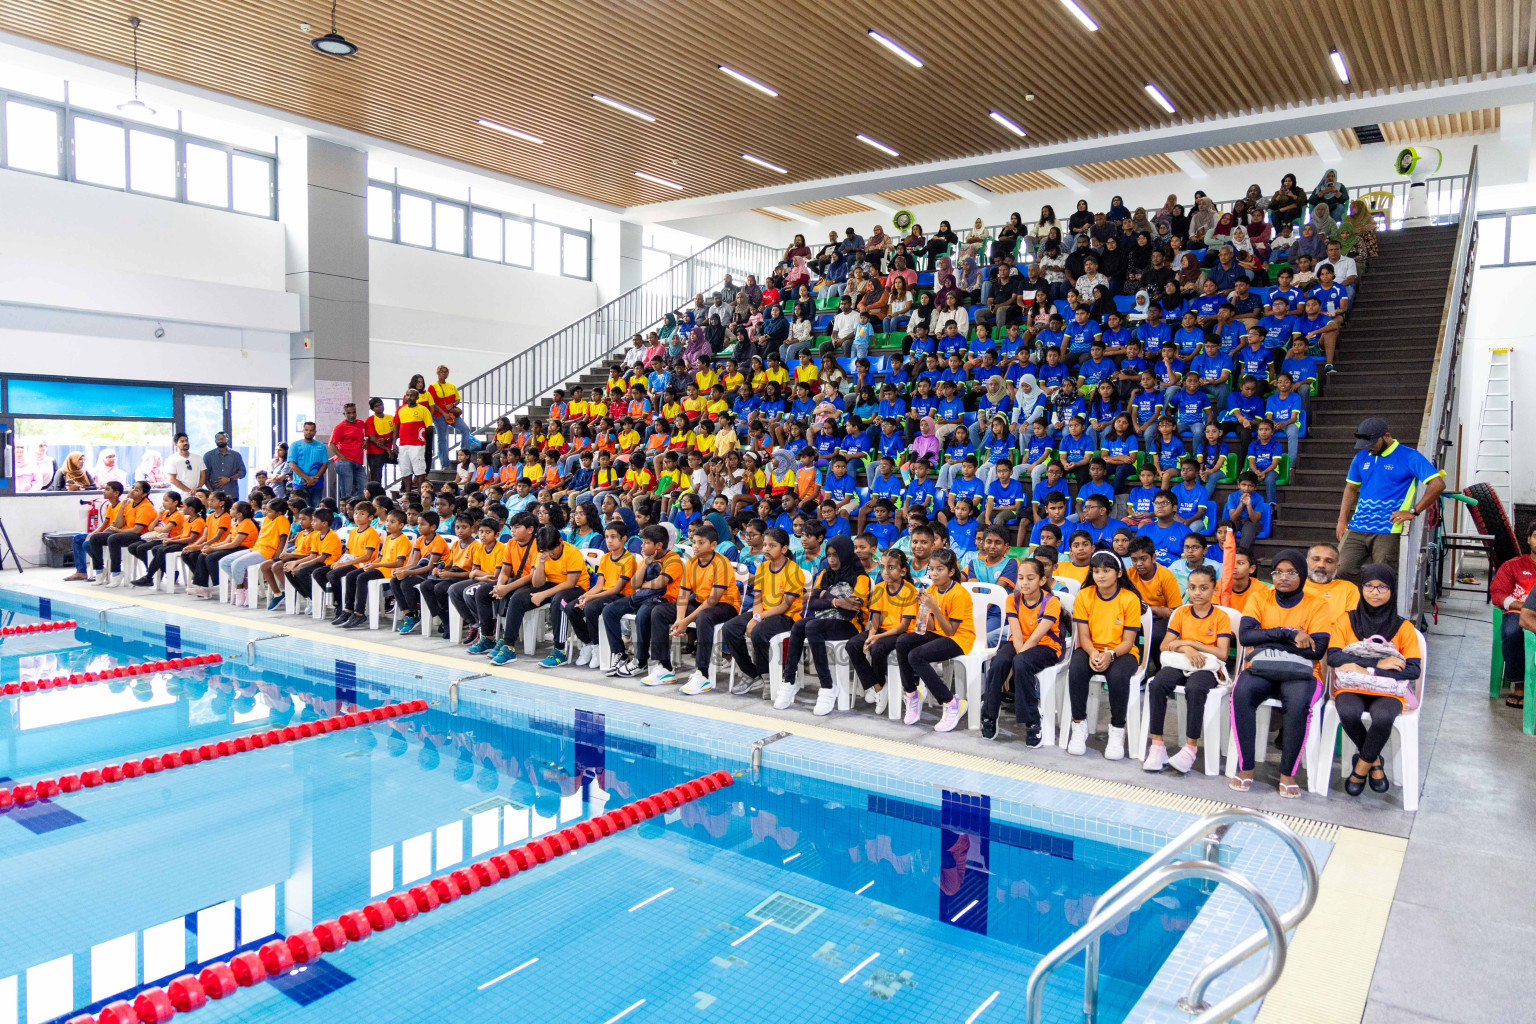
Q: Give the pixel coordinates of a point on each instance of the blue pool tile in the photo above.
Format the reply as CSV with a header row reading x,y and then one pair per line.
x,y
309,982
43,816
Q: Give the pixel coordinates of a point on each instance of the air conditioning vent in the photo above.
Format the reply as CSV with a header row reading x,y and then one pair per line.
x,y
1369,133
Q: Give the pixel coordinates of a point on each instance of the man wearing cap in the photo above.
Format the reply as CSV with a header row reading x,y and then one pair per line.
x,y
1389,485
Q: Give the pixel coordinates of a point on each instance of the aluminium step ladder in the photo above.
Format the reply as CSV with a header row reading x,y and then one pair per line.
x,y
1492,462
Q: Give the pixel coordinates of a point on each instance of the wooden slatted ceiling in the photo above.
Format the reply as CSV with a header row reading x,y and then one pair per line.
x,y
1028,181
833,207
1291,147
1136,167
428,69
919,196
1426,129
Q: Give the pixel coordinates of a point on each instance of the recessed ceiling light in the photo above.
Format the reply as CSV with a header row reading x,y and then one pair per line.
x,y
882,147
1159,98
332,44
749,158
482,122
895,48
659,181
1000,119
616,105
1081,15
792,215
1338,66
754,83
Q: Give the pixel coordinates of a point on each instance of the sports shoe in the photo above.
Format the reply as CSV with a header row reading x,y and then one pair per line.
x,y
341,616
625,668
409,624
193,590
872,696
1157,756
357,621
481,646
951,716
1114,750
240,594
503,654
1183,761
989,728
586,655
1077,738
276,603
555,659
882,700
471,637
659,676
744,684
144,581
784,698
102,578
118,580
697,683
1032,736
826,703
914,708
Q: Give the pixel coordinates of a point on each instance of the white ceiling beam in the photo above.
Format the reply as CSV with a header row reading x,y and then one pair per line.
x,y
791,214
971,193
1295,119
1070,179
874,203
1188,163
1326,148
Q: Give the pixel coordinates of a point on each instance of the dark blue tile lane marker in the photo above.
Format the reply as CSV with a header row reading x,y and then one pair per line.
x,y
172,641
309,982
45,608
965,858
43,817
346,682
590,730
1000,831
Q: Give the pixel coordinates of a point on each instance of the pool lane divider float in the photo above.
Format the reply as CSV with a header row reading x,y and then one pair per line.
x,y
156,1005
106,675
37,627
47,789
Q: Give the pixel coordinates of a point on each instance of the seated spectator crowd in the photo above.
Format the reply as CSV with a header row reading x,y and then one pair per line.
x,y
782,478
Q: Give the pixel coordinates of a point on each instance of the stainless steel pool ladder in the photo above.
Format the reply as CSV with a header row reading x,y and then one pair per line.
x,y
1163,869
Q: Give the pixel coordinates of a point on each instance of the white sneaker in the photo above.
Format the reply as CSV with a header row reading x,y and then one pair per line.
x,y
583,656
882,699
697,683
594,656
872,696
784,697
951,716
659,676
914,708
102,578
1077,738
745,684
116,581
1157,756
826,703
1114,750
1183,761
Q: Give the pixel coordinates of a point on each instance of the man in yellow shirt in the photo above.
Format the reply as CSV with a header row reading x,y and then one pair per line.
x,y
1341,596
446,416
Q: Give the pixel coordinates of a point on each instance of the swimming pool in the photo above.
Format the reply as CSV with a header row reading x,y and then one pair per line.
x,y
832,883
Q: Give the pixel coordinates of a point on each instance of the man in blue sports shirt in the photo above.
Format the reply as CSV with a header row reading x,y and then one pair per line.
x,y
1166,532
1389,486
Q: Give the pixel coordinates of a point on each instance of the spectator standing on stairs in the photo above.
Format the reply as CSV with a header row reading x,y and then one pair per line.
x,y
1389,486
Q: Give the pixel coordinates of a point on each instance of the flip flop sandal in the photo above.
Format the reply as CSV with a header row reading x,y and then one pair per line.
x,y
1290,790
1241,785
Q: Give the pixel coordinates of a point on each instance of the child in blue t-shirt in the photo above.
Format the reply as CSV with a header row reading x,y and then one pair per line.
x,y
1264,457
1166,449
1278,326
1055,480
1139,502
1245,513
1192,406
1283,409
1098,483
1189,338
1212,455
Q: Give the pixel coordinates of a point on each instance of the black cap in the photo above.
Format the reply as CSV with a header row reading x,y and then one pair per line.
x,y
1370,431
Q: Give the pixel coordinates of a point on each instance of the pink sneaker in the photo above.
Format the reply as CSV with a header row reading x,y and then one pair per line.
x,y
914,708
951,716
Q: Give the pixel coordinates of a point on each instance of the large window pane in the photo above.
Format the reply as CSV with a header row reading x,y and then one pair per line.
x,y
415,220
485,235
546,248
121,450
207,175
573,255
381,212
31,138
1490,241
1522,238
253,184
99,155
152,163
450,227
519,235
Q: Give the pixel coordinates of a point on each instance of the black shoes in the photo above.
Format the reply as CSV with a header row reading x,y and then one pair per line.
x,y
1379,781
989,728
1032,737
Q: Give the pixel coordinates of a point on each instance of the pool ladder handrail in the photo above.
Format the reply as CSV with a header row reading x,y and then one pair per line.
x,y
1157,872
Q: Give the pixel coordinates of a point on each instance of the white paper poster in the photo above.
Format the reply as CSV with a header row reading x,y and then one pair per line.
x,y
331,396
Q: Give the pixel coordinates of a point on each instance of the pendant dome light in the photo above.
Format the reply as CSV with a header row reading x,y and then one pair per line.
x,y
333,44
136,107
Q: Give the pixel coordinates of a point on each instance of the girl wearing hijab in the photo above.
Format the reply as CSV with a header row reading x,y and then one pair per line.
x,y
926,445
1103,304
1287,205
1112,263
753,291
922,314
1203,220
1190,277
1081,219
978,234
799,274
72,475
1357,233
1008,236
835,604
1139,221
668,326
1331,192
1106,618
1370,679
1257,201
1138,260
1117,210
1286,633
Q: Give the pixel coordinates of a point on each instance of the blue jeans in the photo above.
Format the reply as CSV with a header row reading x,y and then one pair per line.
x,y
440,429
1211,483
1292,438
78,546
1219,394
1269,486
351,478
312,495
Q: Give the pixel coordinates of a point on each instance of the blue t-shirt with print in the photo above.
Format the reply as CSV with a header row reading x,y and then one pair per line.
x,y
1105,490
1051,375
1146,405
1191,407
1388,483
1167,540
892,444
1166,454
1189,340
1036,447
966,487
1005,496
1283,411
1080,337
1264,454
1254,363
1075,449
997,448
1301,370
1278,330
1251,406
1140,500
1259,503
1091,371
1044,489
1206,305
962,536
1116,337
1169,372
1154,337
921,495
1210,368
883,486
1113,445
839,487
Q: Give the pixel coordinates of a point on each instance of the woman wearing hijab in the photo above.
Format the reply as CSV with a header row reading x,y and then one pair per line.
x,y
773,331
668,326
106,468
1331,192
833,612
876,245
1310,243
72,475
978,235
1190,277
1008,236
1081,219
1202,220
1103,304
875,301
1323,223
1113,264
939,243
799,274
1357,233
1377,665
968,281
1164,214
1288,204
1286,633
714,333
1117,210
1259,233
922,314
1138,260
753,291
1140,223
697,352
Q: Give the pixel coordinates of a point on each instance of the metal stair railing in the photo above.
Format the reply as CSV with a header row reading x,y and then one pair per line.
x,y
1158,872
547,364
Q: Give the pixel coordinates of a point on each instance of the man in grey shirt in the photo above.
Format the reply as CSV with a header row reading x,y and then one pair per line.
x,y
225,466
720,308
185,469
729,290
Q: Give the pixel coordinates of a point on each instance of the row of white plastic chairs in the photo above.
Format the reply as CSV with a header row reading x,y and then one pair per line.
x,y
968,675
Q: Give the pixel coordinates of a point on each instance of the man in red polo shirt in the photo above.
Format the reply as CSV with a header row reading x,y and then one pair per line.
x,y
347,450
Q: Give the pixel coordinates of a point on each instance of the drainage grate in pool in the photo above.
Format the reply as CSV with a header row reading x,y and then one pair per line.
x,y
788,913
486,805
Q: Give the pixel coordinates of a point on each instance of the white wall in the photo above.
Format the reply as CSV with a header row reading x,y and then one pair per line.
x,y
429,308
1502,315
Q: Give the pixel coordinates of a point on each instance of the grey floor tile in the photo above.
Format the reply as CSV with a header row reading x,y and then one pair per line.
x,y
1469,881
1451,966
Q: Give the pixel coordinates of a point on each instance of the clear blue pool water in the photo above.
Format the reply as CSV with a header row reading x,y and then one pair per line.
x,y
111,889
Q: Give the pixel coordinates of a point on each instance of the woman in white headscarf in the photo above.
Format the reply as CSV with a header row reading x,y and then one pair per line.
x,y
108,469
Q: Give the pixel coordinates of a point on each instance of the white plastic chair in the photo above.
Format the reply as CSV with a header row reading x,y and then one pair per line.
x,y
1215,724
984,597
1136,737
1402,748
376,604
1309,754
1052,678
1065,585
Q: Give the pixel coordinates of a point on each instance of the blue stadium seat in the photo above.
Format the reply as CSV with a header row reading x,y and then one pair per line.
x,y
1125,303
823,322
925,279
